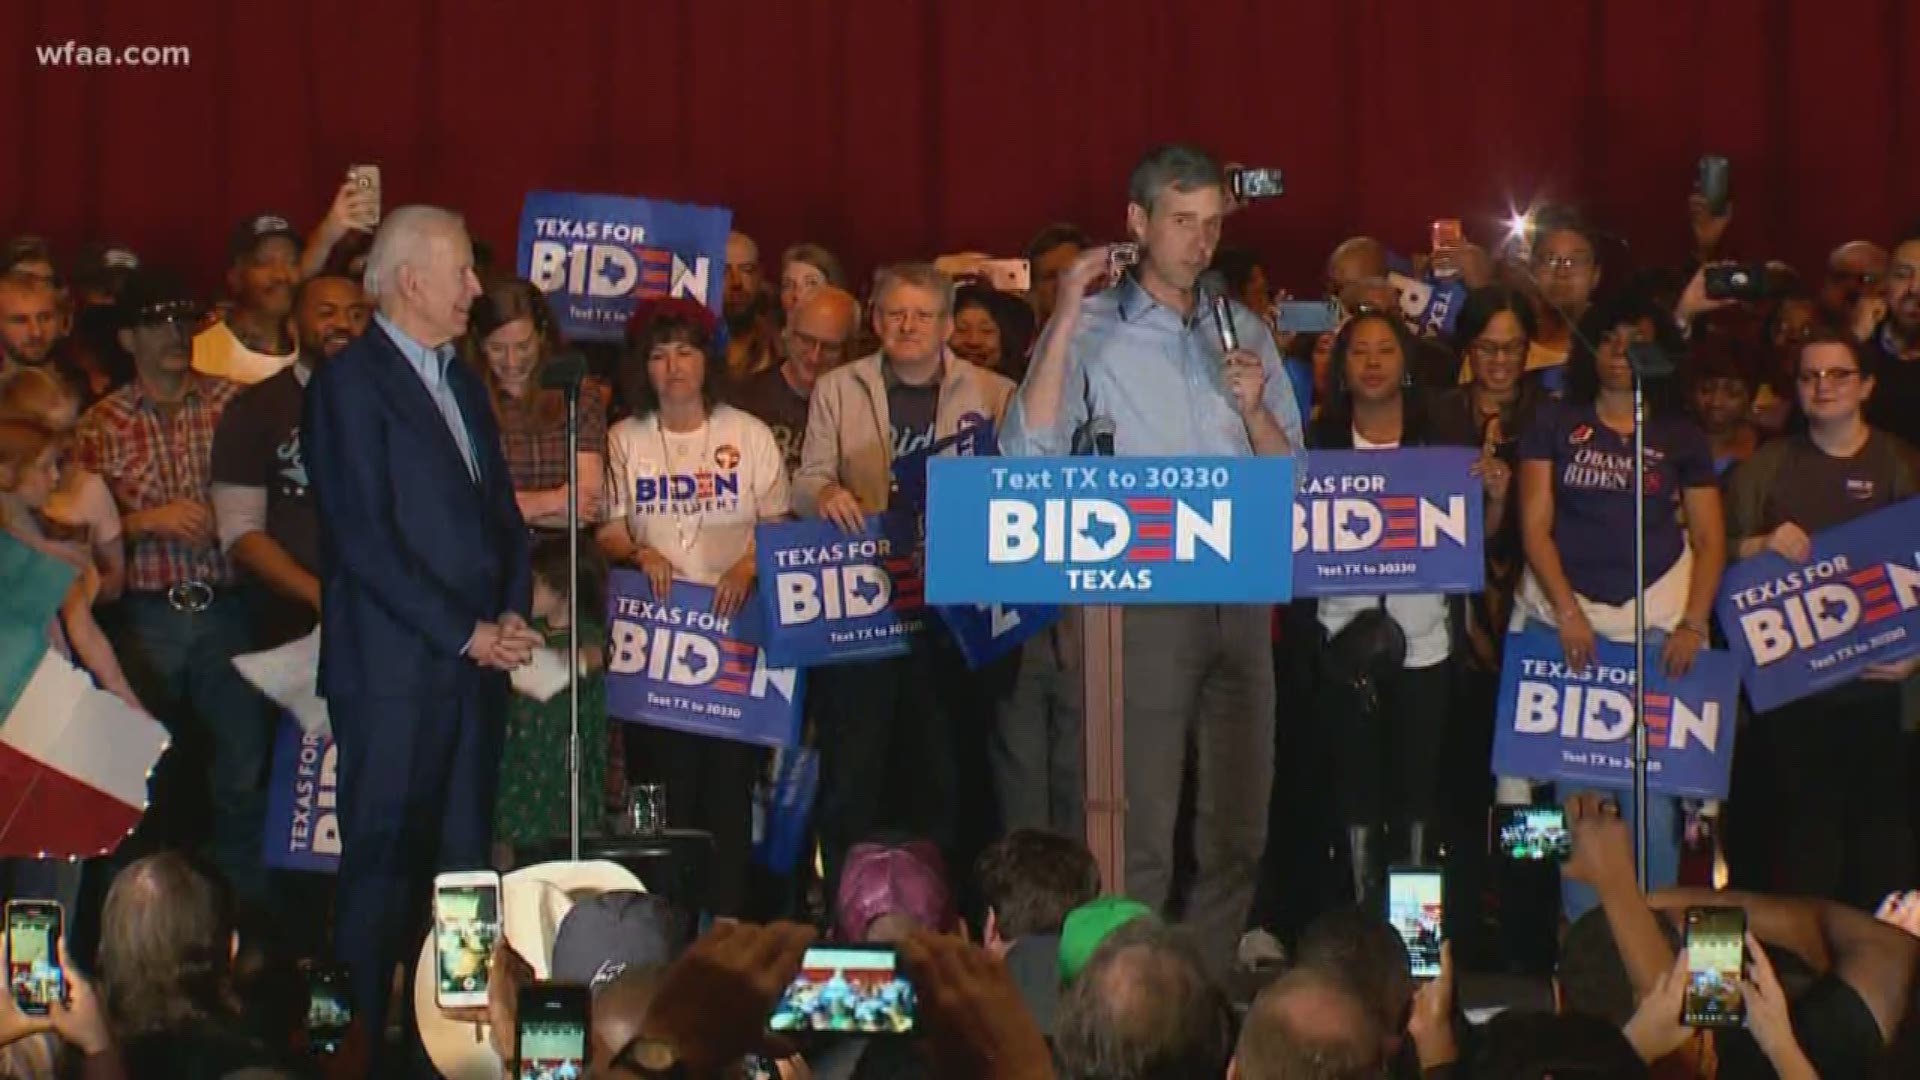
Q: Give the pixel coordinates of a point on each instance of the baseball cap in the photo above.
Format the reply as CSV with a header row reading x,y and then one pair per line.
x,y
104,267
154,294
258,227
886,879
601,938
1088,925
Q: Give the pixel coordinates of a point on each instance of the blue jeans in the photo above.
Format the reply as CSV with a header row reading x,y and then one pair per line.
x,y
209,789
1663,852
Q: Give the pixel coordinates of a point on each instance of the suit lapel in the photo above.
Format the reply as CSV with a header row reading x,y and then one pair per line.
x,y
408,394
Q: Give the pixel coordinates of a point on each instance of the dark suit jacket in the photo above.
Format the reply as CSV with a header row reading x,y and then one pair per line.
x,y
413,553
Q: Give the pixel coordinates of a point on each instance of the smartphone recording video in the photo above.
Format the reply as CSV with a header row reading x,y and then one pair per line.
x,y
466,918
1713,180
1756,282
1531,833
1716,957
851,990
329,1008
1007,275
34,977
552,1033
1250,184
1414,908
1306,316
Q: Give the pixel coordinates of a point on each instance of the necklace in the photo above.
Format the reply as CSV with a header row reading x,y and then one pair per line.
x,y
680,521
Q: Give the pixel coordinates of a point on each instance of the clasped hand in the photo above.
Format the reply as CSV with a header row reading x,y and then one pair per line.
x,y
504,644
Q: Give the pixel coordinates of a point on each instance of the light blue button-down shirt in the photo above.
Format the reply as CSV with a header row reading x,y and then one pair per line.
x,y
1161,379
431,366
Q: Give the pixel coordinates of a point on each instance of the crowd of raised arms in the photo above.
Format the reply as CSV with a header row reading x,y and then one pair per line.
x,y
1310,890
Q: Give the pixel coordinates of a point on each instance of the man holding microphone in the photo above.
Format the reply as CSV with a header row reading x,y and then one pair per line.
x,y
1148,357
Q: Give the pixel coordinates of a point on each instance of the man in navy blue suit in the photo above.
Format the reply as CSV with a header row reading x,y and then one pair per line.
x,y
424,593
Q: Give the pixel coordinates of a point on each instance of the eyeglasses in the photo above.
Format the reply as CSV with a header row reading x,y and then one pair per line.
x,y
808,345
903,317
1564,262
1489,350
1836,376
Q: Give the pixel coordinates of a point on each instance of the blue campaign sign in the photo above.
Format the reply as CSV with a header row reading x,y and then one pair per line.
x,y
596,255
987,632
1578,728
1371,522
834,598
302,829
1806,628
675,664
974,439
1145,530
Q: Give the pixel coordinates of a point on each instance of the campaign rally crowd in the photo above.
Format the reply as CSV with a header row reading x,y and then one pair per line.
x,y
367,434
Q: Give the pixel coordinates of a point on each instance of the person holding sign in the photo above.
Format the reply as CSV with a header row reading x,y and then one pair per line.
x,y
1146,357
688,479
1836,762
1576,524
1386,736
887,741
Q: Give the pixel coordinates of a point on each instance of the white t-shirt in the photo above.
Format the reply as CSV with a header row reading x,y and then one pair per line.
x,y
217,352
1422,616
696,496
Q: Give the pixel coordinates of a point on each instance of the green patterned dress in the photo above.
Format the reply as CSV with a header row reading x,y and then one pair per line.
x,y
532,802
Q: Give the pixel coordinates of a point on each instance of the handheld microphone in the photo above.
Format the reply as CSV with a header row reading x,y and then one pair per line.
x,y
1094,438
1213,287
564,371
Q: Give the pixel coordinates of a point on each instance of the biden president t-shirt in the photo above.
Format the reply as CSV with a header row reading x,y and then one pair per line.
x,y
1592,493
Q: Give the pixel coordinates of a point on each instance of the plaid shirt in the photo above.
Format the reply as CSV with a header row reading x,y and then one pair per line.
x,y
149,460
536,451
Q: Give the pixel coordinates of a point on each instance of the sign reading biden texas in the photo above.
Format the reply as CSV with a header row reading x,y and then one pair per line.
x,y
674,663
1109,530
1806,628
1577,726
1369,522
595,256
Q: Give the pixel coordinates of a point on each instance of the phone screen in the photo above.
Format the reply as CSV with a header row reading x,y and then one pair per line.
x,y
553,1048
855,989
1716,949
467,921
329,1009
1532,832
1414,909
33,959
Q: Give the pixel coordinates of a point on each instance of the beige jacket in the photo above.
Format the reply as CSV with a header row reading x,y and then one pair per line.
x,y
850,434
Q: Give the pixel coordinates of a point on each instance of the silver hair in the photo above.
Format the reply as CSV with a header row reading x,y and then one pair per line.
x,y
920,276
402,240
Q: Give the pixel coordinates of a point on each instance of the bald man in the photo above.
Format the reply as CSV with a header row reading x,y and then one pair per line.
x,y
1855,269
1354,260
815,343
1310,1023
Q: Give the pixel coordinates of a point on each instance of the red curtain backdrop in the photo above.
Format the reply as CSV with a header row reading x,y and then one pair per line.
x,y
897,128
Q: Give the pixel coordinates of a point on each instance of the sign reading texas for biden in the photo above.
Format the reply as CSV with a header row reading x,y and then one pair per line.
x,y
302,830
1556,724
831,598
1805,628
675,664
1109,530
595,255
1368,522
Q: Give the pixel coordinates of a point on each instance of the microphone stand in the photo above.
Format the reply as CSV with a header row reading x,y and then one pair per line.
x,y
572,391
1640,626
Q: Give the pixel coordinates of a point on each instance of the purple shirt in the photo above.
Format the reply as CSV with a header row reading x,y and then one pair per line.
x,y
1592,493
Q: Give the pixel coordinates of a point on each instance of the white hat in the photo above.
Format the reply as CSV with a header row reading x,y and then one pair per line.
x,y
533,901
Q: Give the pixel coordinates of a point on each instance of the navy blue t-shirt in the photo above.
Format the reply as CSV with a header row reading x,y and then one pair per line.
x,y
1592,493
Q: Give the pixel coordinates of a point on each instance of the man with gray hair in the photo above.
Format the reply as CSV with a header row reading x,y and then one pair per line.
x,y
424,586
1145,356
886,742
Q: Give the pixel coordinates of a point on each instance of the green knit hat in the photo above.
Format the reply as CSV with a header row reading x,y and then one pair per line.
x,y
1088,925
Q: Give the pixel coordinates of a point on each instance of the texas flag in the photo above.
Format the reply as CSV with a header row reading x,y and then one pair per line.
x,y
74,759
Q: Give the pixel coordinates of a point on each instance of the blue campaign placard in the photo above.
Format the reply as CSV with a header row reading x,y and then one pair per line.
x,y
987,632
833,598
1373,522
974,439
675,664
595,256
302,828
1577,728
1146,530
1801,629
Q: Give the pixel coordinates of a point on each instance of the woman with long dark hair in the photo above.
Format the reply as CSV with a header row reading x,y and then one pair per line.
x,y
1577,517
